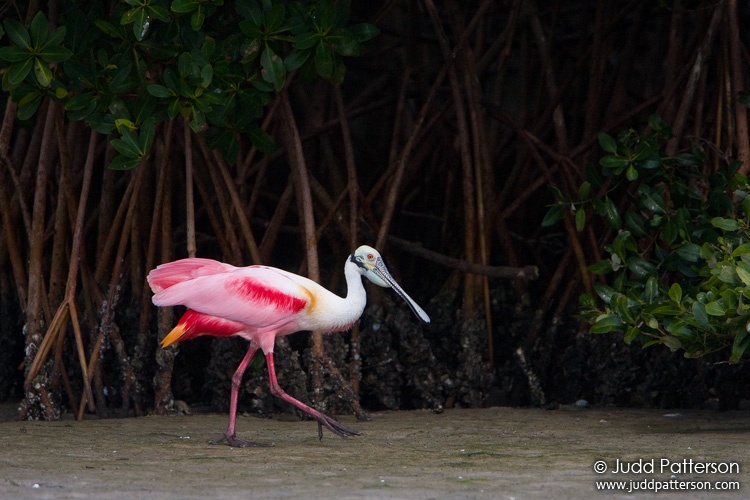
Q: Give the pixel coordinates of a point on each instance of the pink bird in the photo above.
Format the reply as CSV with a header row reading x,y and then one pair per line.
x,y
260,303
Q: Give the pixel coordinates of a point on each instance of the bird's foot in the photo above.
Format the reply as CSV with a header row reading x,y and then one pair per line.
x,y
334,426
233,440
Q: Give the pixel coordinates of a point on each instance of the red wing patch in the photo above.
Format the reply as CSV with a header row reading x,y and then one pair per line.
x,y
194,324
210,325
258,292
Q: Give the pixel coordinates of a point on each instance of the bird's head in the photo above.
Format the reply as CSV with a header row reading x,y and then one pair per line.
x,y
370,264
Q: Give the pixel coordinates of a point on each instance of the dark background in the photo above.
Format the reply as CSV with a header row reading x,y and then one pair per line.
x,y
488,104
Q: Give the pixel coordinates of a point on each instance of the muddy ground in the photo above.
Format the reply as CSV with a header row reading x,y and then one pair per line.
x,y
486,453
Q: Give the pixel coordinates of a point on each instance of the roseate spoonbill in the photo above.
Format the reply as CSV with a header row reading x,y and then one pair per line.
x,y
260,303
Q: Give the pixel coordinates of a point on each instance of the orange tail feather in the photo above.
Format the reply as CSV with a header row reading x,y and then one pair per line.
x,y
173,336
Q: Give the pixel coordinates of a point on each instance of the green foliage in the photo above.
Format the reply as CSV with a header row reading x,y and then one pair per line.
x,y
31,56
678,264
212,64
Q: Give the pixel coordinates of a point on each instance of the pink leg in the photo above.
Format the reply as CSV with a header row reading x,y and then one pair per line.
x,y
229,436
277,391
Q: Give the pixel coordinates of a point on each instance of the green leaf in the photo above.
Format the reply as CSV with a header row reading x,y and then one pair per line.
x,y
665,310
306,40
141,22
715,308
650,199
586,300
197,120
611,213
746,207
14,54
624,308
675,292
55,54
689,252
725,224
274,18
607,143
658,125
670,231
641,267
326,15
42,72
28,105
159,91
606,323
584,191
159,12
184,6
80,106
580,220
741,250
127,133
107,28
605,292
553,215
740,345
207,74
123,163
631,173
651,291
324,64
18,72
17,34
744,275
147,134
635,224
651,162
125,148
613,162
631,335
296,59
39,30
688,160
672,342
198,18
342,41
622,243
604,266
251,29
699,313
173,109
273,70
184,65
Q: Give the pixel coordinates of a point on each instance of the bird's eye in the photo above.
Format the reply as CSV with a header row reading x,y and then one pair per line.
x,y
370,256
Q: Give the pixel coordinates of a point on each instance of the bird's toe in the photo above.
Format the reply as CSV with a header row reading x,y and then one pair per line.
x,y
234,441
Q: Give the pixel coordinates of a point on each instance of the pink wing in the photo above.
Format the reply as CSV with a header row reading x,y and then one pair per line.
x,y
171,273
261,297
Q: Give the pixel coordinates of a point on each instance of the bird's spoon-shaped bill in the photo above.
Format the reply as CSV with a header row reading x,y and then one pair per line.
x,y
381,277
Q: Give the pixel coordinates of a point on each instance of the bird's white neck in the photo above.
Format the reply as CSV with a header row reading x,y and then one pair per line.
x,y
355,290
340,313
